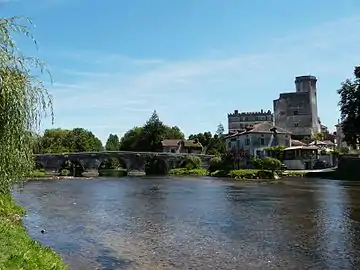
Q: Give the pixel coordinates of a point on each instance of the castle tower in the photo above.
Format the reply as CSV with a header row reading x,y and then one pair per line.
x,y
297,111
308,84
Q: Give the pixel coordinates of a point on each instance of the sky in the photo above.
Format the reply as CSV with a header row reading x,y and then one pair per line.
x,y
114,62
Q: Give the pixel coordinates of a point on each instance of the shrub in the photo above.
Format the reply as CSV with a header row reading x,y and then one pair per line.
x,y
257,163
215,164
64,172
192,162
272,164
184,171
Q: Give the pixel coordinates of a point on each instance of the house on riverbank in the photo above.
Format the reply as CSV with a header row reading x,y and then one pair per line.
x,y
257,138
182,146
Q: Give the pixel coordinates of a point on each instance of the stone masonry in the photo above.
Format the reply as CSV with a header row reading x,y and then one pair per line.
x,y
297,111
134,161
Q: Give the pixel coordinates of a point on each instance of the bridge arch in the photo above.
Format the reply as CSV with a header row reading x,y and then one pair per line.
x,y
71,167
156,165
113,166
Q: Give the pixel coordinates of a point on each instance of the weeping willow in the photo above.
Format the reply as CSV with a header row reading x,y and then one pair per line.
x,y
24,101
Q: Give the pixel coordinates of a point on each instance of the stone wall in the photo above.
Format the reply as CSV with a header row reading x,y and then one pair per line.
x,y
349,165
297,111
132,161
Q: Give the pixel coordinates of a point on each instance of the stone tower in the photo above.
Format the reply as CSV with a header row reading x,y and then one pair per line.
x,y
297,111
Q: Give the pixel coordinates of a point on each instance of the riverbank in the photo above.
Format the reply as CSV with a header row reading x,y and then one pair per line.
x,y
17,249
243,174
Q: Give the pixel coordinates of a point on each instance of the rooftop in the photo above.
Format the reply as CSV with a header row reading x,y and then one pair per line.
x,y
265,127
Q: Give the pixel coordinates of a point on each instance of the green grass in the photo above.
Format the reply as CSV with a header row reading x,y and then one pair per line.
x,y
37,174
192,172
17,249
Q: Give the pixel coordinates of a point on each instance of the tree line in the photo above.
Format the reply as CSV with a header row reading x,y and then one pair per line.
x,y
146,138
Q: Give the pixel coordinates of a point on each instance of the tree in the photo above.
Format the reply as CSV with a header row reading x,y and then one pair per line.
x,y
112,143
203,138
148,137
55,141
62,141
174,133
130,140
153,133
220,130
82,140
350,109
23,102
319,136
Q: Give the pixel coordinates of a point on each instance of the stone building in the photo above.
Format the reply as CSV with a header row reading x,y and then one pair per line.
x,y
257,138
182,146
297,111
239,121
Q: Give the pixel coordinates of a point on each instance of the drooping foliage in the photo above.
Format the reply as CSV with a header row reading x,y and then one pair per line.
x,y
350,108
24,100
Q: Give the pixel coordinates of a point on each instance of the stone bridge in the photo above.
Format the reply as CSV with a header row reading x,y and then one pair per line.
x,y
133,161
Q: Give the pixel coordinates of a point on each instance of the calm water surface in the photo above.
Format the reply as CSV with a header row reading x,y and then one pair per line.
x,y
200,223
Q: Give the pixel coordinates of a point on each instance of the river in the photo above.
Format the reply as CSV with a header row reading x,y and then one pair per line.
x,y
196,223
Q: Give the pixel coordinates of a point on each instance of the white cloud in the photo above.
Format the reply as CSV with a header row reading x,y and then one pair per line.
x,y
196,94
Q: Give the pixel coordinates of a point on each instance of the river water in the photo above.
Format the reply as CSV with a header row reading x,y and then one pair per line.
x,y
196,223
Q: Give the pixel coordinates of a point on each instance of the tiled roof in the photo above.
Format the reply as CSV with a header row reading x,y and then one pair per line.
x,y
264,127
187,143
297,143
170,143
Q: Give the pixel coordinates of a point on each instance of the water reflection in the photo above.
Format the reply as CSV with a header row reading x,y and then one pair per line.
x,y
202,223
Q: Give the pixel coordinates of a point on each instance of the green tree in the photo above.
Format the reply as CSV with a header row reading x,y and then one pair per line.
x,y
130,140
216,146
174,133
220,130
24,99
148,137
203,138
55,141
153,132
62,141
82,140
350,108
112,143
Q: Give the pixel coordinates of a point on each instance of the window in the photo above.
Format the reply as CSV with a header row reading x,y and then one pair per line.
x,y
247,140
229,145
262,140
296,125
296,112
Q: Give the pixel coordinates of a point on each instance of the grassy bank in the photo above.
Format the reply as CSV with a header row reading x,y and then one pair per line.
x,y
38,174
17,249
246,174
192,172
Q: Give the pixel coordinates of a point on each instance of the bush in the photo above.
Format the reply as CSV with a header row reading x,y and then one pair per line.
x,y
257,163
65,172
215,164
192,172
251,174
192,162
37,174
271,164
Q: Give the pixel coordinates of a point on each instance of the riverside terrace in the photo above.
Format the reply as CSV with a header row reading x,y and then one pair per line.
x,y
133,161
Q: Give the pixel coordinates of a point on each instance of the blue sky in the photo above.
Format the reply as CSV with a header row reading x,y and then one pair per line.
x,y
115,61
